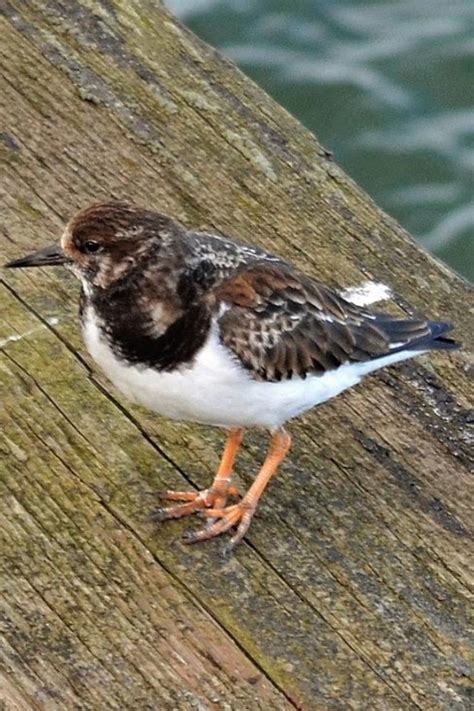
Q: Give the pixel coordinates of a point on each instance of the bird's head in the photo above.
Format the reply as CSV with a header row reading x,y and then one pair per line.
x,y
105,242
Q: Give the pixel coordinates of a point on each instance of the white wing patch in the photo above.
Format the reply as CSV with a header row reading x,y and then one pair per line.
x,y
368,293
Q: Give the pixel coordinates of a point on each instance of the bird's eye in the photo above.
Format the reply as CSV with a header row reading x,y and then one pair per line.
x,y
91,247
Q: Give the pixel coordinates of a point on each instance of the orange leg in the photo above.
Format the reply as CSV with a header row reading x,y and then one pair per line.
x,y
216,496
241,514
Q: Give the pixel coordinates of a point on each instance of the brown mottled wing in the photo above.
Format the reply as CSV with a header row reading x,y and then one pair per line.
x,y
281,323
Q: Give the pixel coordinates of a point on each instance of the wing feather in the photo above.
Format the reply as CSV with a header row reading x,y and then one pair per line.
x,y
280,324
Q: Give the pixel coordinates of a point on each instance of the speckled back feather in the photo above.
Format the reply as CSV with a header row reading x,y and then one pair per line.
x,y
281,324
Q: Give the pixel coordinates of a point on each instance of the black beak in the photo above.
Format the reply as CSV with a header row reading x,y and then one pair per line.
x,y
46,257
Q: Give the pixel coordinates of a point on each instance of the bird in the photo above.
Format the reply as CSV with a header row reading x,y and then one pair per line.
x,y
200,327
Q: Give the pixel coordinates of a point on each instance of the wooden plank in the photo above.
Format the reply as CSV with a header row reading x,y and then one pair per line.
x,y
353,589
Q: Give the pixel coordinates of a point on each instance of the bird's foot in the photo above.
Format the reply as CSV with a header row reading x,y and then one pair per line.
x,y
195,501
221,519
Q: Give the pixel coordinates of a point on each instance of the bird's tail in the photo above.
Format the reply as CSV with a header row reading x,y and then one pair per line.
x,y
415,334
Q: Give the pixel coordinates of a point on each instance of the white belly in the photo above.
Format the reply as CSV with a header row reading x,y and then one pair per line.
x,y
216,390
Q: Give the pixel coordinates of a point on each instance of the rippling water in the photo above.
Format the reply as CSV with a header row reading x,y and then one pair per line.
x,y
387,85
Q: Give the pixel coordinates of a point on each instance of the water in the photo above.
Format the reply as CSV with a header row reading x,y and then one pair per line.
x,y
387,85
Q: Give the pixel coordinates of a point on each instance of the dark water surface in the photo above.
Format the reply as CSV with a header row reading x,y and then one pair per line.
x,y
387,85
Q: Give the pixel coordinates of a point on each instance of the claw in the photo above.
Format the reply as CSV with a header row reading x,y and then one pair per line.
x,y
158,515
199,501
194,502
188,537
228,549
203,534
240,514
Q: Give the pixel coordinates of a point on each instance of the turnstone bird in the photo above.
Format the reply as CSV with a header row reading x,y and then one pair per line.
x,y
198,327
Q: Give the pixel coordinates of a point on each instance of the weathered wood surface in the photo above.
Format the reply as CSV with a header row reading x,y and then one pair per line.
x,y
354,587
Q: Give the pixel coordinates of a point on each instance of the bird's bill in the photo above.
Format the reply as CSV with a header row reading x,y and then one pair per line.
x,y
47,257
